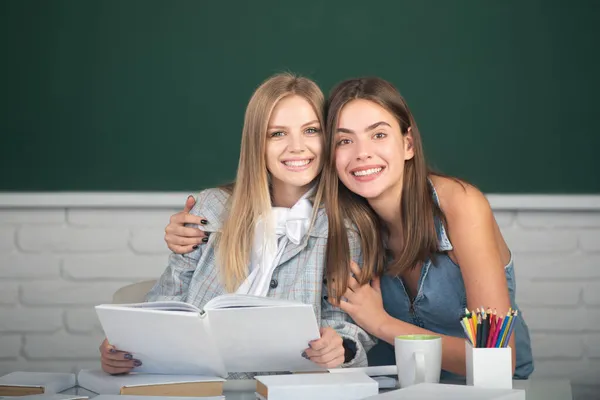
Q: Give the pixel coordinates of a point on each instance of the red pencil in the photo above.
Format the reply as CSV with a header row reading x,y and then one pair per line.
x,y
492,330
497,331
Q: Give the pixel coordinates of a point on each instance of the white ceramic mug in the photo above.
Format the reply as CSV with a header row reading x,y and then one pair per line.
x,y
418,359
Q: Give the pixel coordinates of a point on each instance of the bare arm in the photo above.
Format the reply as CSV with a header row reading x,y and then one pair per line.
x,y
478,249
478,252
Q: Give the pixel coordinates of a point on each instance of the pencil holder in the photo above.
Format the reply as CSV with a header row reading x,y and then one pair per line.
x,y
489,367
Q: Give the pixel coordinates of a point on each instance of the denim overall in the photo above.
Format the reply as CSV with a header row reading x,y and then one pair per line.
x,y
440,302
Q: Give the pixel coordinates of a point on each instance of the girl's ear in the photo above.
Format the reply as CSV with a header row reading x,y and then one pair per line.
x,y
409,151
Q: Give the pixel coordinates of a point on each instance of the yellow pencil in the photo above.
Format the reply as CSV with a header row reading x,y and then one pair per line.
x,y
467,323
502,341
474,323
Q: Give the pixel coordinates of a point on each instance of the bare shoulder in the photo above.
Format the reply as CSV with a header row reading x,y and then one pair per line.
x,y
459,198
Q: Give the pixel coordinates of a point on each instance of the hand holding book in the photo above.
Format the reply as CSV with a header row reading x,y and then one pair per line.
x,y
116,361
327,351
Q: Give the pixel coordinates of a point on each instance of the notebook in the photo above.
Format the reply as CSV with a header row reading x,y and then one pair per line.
x,y
349,386
233,333
52,397
150,384
21,383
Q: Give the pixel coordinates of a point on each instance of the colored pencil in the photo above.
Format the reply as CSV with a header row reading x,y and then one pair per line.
x,y
501,331
510,328
485,329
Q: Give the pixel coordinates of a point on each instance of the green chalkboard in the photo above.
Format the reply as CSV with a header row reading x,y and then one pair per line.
x,y
144,95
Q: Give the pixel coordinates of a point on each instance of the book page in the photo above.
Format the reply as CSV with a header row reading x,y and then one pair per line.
x,y
264,339
233,300
158,305
166,342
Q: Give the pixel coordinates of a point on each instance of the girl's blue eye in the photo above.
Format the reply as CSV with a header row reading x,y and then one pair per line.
x,y
312,131
276,134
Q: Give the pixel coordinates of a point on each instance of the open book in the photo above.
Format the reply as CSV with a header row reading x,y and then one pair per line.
x,y
233,333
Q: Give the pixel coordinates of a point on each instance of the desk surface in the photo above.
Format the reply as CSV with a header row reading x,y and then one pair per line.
x,y
535,389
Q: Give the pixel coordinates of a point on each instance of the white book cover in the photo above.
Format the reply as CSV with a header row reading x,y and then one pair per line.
x,y
350,386
102,383
435,391
129,397
233,333
380,370
52,382
49,397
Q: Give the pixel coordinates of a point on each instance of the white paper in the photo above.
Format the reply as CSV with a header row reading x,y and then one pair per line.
x,y
166,342
158,305
265,339
233,300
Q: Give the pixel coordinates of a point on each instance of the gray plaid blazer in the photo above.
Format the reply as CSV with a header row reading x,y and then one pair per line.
x,y
194,277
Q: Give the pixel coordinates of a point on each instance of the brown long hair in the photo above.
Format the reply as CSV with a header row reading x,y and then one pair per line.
x,y
250,194
417,206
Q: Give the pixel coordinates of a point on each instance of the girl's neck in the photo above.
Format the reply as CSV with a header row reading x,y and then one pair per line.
x,y
387,207
286,195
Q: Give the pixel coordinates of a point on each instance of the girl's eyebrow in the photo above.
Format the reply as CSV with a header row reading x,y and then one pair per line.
x,y
369,128
316,121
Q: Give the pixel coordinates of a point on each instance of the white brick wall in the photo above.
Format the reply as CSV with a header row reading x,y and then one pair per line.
x,y
56,264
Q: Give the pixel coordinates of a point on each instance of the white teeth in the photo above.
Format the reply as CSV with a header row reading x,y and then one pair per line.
x,y
298,163
366,172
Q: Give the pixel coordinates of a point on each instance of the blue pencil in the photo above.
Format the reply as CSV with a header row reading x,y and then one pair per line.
x,y
501,331
510,328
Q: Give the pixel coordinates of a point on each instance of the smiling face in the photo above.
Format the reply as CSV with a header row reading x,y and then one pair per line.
x,y
370,149
294,145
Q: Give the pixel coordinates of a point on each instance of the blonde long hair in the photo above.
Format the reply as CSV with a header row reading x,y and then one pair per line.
x,y
250,194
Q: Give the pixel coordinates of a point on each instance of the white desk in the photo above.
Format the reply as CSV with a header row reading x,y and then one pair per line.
x,y
535,389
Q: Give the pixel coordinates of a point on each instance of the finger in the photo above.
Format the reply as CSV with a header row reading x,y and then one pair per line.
x,y
184,230
327,358
115,370
119,363
182,241
376,283
353,284
350,296
181,233
184,218
182,249
189,203
354,268
116,355
334,302
347,307
319,344
335,363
